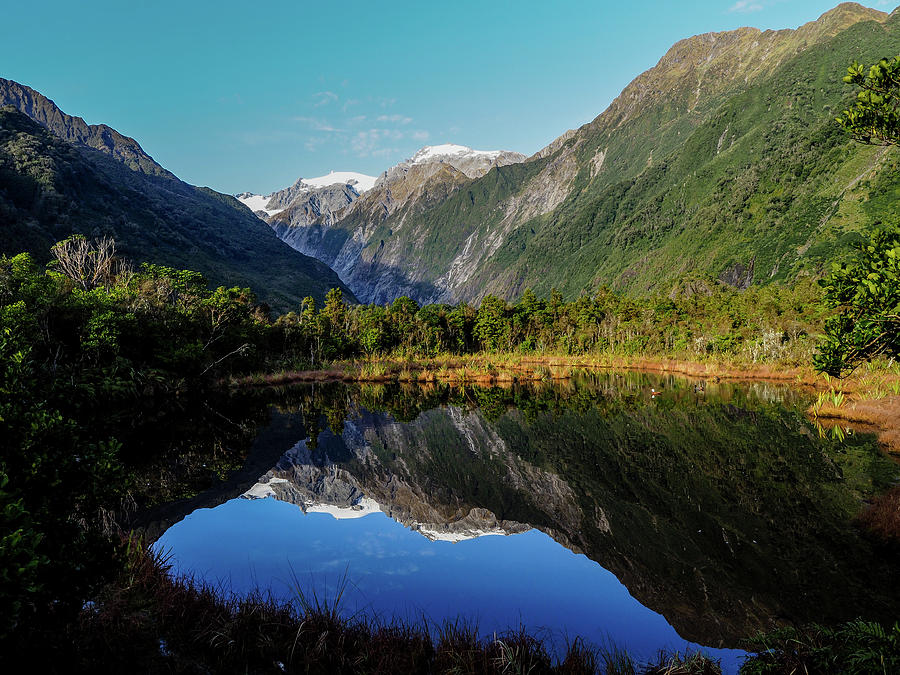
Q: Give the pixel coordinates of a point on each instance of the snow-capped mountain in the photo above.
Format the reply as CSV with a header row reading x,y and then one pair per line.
x,y
429,177
277,201
257,203
473,163
435,153
360,181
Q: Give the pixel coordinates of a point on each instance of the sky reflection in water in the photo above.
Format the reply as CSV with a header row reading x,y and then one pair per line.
x,y
499,581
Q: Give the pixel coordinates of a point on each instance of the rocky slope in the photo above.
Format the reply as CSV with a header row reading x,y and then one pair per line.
x,y
75,130
60,176
723,161
308,205
343,238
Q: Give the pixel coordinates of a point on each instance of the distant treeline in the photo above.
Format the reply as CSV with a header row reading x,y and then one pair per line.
x,y
160,328
701,318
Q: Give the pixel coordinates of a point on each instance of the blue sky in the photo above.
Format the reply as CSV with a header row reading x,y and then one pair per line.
x,y
250,96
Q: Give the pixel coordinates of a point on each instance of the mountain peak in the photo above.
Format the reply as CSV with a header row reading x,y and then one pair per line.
x,y
437,152
473,163
853,11
339,185
360,181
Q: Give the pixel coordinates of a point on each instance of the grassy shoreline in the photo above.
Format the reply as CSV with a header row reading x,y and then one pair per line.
x,y
869,399
162,623
498,368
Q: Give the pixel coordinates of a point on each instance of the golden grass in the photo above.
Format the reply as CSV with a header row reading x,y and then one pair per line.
x,y
881,415
882,517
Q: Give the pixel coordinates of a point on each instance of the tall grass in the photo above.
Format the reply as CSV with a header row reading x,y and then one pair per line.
x,y
150,622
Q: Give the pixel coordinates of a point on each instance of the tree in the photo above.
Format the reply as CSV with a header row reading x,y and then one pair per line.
x,y
89,264
335,309
373,329
873,118
866,292
491,328
403,315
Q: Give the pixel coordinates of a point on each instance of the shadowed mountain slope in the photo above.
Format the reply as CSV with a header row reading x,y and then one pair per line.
x,y
69,177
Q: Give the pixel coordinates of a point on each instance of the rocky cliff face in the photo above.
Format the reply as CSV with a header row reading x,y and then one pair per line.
x,y
75,130
323,205
353,242
724,156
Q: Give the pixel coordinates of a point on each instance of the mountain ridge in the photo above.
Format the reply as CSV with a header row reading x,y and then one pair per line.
x,y
646,193
75,130
54,182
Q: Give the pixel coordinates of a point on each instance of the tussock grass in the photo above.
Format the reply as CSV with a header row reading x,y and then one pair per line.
x,y
150,622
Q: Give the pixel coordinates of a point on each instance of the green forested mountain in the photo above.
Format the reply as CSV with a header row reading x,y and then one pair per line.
x,y
723,160
91,180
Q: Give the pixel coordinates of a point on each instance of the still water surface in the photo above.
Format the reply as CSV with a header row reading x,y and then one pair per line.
x,y
593,509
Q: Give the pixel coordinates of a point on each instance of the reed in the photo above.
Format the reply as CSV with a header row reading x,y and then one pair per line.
x,y
150,621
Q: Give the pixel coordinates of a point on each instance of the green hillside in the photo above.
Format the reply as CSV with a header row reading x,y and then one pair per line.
x,y
722,161
51,188
766,188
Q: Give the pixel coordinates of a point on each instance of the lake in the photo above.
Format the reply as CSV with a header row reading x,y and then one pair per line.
x,y
596,507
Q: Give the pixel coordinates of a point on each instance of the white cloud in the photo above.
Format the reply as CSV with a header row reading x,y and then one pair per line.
x,y
318,124
746,6
324,98
376,142
336,123
396,119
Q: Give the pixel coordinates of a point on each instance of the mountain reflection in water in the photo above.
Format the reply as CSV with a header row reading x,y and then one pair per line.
x,y
720,510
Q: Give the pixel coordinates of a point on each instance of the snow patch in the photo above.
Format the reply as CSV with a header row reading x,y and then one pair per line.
x,y
464,535
257,203
433,152
360,181
263,490
363,507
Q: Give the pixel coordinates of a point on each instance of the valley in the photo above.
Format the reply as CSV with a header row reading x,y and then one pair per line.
x,y
624,404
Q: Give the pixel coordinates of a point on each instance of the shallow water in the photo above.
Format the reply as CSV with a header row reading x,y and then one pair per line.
x,y
696,516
